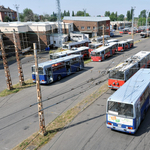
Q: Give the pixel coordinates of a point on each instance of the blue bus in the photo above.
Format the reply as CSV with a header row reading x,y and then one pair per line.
x,y
127,107
54,70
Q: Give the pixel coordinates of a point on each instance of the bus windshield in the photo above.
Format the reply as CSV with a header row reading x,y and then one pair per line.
x,y
65,46
52,56
119,45
120,109
40,70
116,74
95,53
92,46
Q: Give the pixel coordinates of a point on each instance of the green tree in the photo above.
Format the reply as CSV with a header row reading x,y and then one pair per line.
x,y
116,16
65,14
36,18
107,13
142,22
121,17
98,15
7,19
72,13
128,15
149,14
81,13
112,16
28,15
68,13
21,17
142,14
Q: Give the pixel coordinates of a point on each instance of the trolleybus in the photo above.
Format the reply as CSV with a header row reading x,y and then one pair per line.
x,y
122,45
81,50
119,74
103,52
130,43
54,70
126,108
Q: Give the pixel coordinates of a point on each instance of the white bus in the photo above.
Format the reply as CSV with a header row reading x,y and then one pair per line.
x,y
127,107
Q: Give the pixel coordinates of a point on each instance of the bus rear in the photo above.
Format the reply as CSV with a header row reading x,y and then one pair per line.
x,y
120,116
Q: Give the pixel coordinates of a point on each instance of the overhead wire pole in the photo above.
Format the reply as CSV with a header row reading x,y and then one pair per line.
x,y
39,39
17,7
146,21
59,22
103,34
20,71
6,68
39,95
132,19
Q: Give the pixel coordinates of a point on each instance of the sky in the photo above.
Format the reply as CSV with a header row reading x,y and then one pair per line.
x,y
93,7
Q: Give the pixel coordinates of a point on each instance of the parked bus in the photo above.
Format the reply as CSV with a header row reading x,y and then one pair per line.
x,y
54,70
122,72
81,50
145,34
69,45
125,31
103,52
127,107
130,43
122,45
93,46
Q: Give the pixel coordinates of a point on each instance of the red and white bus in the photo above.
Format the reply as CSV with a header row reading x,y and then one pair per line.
x,y
93,46
103,52
122,72
69,45
130,43
122,45
81,50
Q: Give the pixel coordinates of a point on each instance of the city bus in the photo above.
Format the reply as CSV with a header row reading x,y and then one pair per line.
x,y
57,69
119,74
81,50
69,45
93,46
104,51
130,43
122,45
127,107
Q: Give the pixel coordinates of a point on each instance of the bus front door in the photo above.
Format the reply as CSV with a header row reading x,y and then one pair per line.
x,y
49,75
68,68
103,56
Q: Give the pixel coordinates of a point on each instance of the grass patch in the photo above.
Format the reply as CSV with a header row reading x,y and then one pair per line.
x,y
17,88
61,122
87,61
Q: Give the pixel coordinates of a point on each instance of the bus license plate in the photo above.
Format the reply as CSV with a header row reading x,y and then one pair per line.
x,y
119,125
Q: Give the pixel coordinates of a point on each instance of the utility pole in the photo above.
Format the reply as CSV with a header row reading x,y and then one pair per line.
x,y
132,19
59,22
39,95
20,71
17,7
39,39
146,22
84,10
103,34
6,68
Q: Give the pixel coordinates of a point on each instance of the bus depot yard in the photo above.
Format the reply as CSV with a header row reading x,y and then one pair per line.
x,y
87,126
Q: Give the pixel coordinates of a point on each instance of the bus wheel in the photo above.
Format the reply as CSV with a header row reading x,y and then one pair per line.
x,y
59,77
78,69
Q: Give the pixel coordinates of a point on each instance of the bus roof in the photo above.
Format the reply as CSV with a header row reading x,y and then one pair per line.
x,y
102,48
95,43
131,91
70,51
129,62
128,40
122,42
51,62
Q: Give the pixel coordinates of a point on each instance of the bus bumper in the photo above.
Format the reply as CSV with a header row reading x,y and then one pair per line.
x,y
113,87
131,131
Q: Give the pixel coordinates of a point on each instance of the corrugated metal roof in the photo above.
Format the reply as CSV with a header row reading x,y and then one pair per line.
x,y
133,88
86,18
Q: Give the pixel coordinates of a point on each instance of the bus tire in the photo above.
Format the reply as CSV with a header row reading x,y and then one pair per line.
x,y
78,69
59,77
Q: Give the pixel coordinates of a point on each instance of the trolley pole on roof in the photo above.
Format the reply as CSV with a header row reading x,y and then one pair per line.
x,y
103,34
20,71
6,68
39,95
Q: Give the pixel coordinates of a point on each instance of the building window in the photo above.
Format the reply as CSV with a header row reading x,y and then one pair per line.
x,y
88,27
82,27
94,28
5,13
